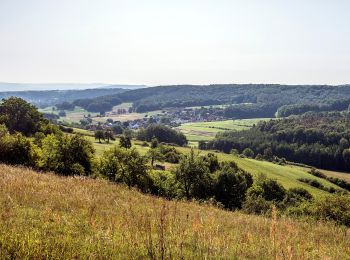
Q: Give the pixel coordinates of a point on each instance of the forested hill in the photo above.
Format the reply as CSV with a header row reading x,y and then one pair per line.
x,y
254,98
317,139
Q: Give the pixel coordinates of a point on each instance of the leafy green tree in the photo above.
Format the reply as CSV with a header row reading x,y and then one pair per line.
x,y
126,166
99,134
212,162
170,154
155,155
193,175
231,185
248,153
154,142
16,149
164,184
268,189
125,141
49,159
73,150
20,116
108,134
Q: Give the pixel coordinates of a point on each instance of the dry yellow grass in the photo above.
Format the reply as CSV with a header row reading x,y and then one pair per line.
x,y
46,216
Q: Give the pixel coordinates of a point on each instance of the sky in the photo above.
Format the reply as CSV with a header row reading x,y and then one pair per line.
x,y
162,42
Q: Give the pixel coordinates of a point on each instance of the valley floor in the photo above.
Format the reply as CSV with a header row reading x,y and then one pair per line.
x,y
47,216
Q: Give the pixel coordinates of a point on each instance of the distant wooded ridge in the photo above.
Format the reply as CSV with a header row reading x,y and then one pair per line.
x,y
247,100
6,86
243,100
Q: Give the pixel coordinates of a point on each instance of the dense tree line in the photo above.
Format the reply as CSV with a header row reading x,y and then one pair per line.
x,y
162,134
267,98
298,109
65,106
317,139
99,104
240,111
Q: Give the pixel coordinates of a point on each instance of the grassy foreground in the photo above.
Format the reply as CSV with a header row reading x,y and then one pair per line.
x,y
46,216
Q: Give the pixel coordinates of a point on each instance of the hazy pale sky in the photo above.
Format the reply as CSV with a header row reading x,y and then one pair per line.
x,y
173,42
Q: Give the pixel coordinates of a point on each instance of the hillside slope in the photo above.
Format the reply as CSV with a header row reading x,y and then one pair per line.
x,y
46,216
287,175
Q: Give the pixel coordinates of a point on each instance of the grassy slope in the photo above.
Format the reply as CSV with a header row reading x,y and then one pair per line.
x,y
46,216
207,130
286,175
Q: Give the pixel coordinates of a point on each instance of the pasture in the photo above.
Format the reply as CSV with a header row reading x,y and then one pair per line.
x,y
205,131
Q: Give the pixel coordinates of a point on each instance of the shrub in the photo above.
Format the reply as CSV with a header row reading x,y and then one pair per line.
x,y
231,185
63,154
295,196
334,208
164,184
257,205
248,153
268,189
193,176
170,154
126,166
77,169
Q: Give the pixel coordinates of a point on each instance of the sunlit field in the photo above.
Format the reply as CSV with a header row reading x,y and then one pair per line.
x,y
47,216
205,131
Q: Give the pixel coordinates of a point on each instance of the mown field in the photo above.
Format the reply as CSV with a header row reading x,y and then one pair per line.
x,y
207,130
44,216
287,175
74,116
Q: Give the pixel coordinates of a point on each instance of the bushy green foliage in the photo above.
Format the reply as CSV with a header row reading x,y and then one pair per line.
x,y
318,185
125,141
231,185
262,195
17,149
155,155
163,134
193,176
169,153
334,208
295,196
20,116
248,153
164,184
99,134
257,205
126,166
64,154
268,189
